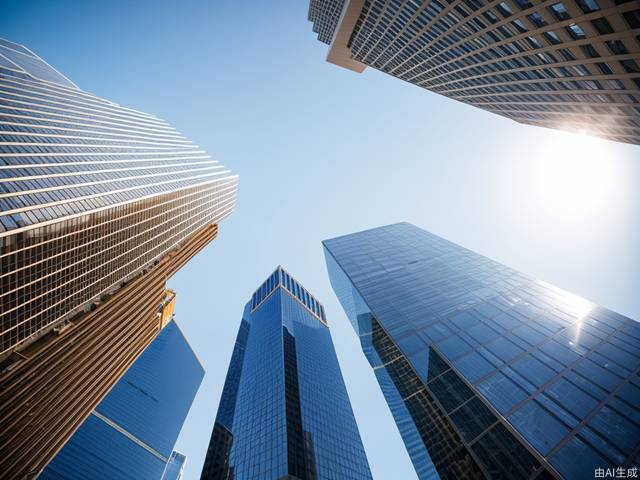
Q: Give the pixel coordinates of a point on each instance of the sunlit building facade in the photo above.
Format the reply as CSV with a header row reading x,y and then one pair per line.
x,y
570,64
284,411
489,373
99,205
132,432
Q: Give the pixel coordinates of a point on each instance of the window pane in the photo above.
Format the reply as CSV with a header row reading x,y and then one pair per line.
x,y
538,426
501,392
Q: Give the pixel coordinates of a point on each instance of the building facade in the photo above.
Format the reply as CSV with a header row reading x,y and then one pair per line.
x,y
571,64
99,205
131,433
284,411
489,373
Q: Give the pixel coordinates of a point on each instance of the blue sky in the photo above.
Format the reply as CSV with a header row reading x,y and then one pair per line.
x,y
322,152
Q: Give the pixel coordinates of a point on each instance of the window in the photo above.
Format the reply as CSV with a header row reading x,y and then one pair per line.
x,y
597,374
559,352
538,426
481,333
450,391
602,445
632,18
524,4
589,51
520,26
504,9
630,66
602,26
529,335
501,392
473,418
588,6
536,19
473,366
559,11
617,429
616,47
454,347
464,320
552,37
575,31
533,370
504,349
571,397
577,460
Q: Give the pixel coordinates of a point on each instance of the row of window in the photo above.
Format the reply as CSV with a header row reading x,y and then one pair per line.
x,y
470,47
53,281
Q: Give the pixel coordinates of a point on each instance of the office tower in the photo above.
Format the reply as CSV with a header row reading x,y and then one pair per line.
x,y
284,411
132,431
571,64
99,205
489,373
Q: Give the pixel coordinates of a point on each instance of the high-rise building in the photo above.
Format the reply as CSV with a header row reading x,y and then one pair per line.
x,y
489,373
131,433
284,411
570,64
99,205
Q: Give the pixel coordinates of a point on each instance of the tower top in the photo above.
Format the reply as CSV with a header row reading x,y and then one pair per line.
x,y
280,278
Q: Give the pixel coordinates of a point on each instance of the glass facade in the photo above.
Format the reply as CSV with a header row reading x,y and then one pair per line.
x,y
284,411
489,373
131,433
91,195
571,64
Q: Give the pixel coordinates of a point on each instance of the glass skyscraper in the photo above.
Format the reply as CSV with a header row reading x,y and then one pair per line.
x,y
570,64
99,205
130,435
489,373
284,411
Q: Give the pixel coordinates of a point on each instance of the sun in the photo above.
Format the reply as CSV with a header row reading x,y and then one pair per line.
x,y
573,175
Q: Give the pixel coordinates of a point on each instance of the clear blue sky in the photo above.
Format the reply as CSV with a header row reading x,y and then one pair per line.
x,y
322,152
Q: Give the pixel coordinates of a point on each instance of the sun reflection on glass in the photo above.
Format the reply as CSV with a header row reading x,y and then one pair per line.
x,y
573,305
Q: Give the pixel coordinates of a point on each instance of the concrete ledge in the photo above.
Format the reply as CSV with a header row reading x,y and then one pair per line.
x,y
339,53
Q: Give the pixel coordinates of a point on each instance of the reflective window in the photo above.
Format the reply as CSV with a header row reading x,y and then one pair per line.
x,y
538,426
504,349
576,459
533,370
571,397
502,392
619,431
454,347
588,6
560,11
473,366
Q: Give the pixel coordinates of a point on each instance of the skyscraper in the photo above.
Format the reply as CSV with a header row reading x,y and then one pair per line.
x,y
570,64
284,411
489,373
99,205
131,433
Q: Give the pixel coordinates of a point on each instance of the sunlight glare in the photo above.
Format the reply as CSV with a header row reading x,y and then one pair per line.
x,y
573,174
